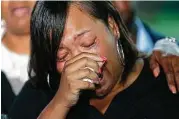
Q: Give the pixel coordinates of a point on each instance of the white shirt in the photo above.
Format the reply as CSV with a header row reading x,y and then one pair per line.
x,y
14,66
144,42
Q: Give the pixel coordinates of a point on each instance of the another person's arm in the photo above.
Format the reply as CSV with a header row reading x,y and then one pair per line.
x,y
166,55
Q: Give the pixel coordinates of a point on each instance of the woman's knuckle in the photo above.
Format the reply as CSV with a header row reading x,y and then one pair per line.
x,y
68,77
87,71
66,69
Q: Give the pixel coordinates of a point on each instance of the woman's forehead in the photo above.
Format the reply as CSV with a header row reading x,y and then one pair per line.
x,y
77,22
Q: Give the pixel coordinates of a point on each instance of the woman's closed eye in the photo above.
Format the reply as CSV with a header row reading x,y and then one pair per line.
x,y
61,59
61,56
88,43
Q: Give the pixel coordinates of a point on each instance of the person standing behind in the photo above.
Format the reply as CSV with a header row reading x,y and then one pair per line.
x,y
142,35
149,41
15,43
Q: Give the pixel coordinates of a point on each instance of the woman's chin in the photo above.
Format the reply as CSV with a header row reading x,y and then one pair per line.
x,y
104,89
105,86
101,91
100,88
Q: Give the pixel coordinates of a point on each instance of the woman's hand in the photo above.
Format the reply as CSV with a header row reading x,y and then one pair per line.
x,y
170,65
82,66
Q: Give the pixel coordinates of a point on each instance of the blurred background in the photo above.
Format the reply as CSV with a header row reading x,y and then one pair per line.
x,y
141,18
162,16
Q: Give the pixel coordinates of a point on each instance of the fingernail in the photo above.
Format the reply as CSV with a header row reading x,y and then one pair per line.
x,y
156,71
104,58
101,63
99,71
173,89
88,80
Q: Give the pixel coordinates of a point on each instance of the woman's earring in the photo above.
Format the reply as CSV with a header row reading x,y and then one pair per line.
x,y
120,52
48,81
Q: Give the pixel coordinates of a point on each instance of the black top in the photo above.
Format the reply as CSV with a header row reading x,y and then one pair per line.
x,y
7,94
146,98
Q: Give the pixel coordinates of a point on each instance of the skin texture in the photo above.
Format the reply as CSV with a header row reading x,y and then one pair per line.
x,y
17,18
86,50
96,39
169,63
83,44
17,37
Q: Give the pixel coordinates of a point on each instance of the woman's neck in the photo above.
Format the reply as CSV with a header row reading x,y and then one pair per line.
x,y
19,44
132,76
102,104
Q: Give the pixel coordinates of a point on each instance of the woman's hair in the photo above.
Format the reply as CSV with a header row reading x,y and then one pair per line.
x,y
47,26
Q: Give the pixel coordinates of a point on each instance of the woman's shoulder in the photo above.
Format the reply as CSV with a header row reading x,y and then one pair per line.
x,y
30,102
148,85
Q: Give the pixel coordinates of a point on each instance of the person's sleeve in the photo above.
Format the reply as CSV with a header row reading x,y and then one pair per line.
x,y
28,104
169,45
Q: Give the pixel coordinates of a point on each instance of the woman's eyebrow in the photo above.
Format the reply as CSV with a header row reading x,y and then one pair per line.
x,y
81,33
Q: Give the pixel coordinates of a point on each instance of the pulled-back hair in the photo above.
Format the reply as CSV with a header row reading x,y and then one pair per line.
x,y
47,26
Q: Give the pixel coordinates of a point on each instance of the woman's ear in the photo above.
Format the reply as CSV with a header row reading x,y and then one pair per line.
x,y
113,27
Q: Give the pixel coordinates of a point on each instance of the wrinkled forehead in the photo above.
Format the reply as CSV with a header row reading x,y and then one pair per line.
x,y
77,21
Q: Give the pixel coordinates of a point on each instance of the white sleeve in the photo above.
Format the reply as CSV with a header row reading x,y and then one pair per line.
x,y
167,45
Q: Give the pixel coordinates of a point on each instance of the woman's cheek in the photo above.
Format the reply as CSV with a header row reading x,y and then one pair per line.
x,y
60,66
97,49
102,49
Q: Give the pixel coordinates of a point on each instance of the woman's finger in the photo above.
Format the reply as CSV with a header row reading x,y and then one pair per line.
x,y
87,55
175,66
83,74
84,85
82,63
167,66
165,61
154,64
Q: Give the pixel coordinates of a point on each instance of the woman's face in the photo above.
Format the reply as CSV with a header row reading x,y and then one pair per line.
x,y
17,15
83,33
